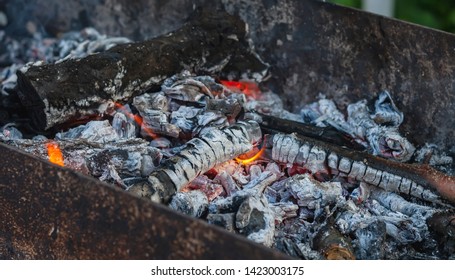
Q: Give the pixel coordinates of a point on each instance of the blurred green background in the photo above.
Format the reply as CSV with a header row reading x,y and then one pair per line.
x,y
431,13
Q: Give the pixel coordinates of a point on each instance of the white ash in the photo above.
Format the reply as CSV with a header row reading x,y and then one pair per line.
x,y
51,50
185,118
386,112
160,142
193,203
370,241
93,131
188,88
284,210
377,129
313,194
10,132
254,217
270,103
432,155
124,127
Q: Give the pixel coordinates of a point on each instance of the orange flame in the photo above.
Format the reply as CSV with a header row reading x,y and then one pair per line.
x,y
54,153
138,119
249,88
251,159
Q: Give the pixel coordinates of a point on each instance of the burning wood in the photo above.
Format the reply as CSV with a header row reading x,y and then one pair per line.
x,y
212,147
319,157
54,152
230,153
120,162
58,93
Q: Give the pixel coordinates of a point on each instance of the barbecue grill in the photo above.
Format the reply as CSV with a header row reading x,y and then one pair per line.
x,y
50,212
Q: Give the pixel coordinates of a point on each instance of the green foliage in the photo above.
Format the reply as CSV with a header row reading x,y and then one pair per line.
x,y
349,3
431,13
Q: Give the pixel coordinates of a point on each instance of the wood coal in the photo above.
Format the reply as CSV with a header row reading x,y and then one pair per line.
x,y
57,93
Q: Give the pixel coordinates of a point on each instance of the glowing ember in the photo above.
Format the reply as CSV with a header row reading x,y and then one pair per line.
x,y
54,153
137,119
250,159
249,88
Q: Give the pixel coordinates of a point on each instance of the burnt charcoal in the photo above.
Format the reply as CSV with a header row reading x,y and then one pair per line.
x,y
284,210
332,244
442,228
249,217
326,134
192,203
109,161
94,131
228,107
369,242
288,247
199,155
57,93
9,132
124,127
224,220
386,112
229,204
256,220
228,183
254,217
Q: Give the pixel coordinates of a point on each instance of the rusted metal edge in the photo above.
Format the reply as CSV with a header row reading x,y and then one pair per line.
x,y
50,212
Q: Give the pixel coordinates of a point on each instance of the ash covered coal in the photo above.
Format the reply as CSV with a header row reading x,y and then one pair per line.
x,y
205,148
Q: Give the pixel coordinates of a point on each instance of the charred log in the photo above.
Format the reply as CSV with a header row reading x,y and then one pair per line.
x,y
420,181
56,93
212,147
109,161
332,244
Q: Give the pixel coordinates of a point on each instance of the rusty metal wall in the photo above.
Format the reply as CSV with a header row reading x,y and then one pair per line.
x,y
313,47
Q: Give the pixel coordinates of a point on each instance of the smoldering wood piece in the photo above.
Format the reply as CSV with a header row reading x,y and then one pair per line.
x,y
256,220
192,203
394,202
252,215
332,244
421,181
229,107
224,220
326,134
370,241
56,93
124,158
212,147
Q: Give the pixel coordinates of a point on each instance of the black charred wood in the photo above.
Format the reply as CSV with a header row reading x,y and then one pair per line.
x,y
442,227
326,134
57,93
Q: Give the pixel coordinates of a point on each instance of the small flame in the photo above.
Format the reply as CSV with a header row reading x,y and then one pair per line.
x,y
138,119
54,153
249,88
251,159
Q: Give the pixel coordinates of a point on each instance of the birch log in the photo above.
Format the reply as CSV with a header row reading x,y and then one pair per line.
x,y
212,147
57,93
